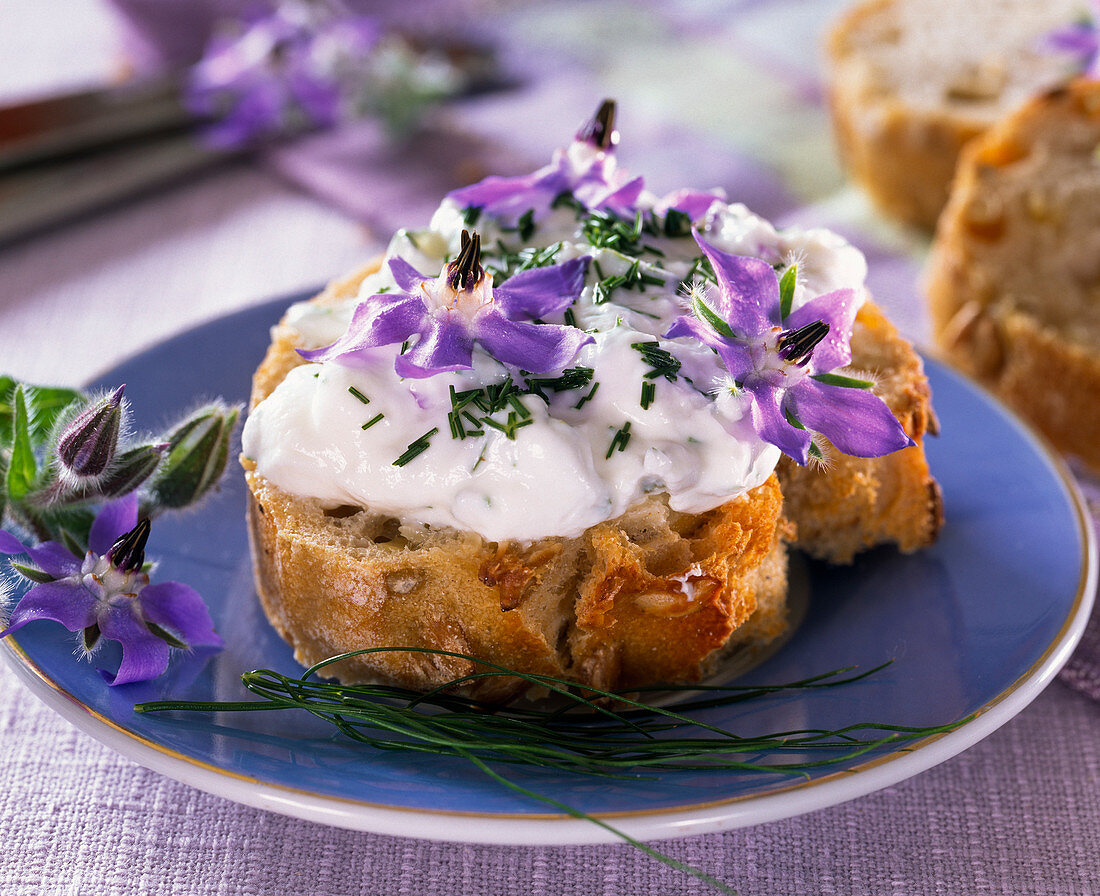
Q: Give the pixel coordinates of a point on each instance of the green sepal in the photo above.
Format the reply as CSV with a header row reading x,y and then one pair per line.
x,y
32,572
7,408
130,469
166,636
792,419
835,379
786,291
22,466
709,316
3,481
198,450
815,451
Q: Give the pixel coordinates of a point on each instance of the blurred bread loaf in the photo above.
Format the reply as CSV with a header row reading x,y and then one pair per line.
x,y
911,81
1013,280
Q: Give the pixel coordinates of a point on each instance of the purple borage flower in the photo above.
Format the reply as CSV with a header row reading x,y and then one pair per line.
x,y
782,359
450,313
586,168
107,595
1080,39
291,69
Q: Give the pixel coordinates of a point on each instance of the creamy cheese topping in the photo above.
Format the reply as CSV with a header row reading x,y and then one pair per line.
x,y
582,455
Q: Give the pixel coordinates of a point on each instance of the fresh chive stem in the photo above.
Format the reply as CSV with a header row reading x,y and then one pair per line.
x,y
590,732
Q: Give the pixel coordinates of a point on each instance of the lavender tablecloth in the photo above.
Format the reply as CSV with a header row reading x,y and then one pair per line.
x,y
734,86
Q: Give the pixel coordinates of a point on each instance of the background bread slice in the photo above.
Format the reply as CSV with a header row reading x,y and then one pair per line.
x,y
1013,280
911,81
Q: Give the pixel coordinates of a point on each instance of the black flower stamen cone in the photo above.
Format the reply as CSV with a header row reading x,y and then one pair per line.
x,y
465,271
600,129
128,553
796,346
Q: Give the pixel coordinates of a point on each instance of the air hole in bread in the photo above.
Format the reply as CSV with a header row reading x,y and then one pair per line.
x,y
389,529
343,511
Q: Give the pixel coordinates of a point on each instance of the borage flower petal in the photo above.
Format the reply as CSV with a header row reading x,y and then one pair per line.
x,y
769,420
748,293
112,522
541,291
856,421
444,317
55,601
144,655
49,556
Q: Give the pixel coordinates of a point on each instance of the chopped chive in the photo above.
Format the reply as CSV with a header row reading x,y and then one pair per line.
x,y
372,421
570,318
619,440
677,223
587,398
660,361
649,392
416,447
470,214
363,398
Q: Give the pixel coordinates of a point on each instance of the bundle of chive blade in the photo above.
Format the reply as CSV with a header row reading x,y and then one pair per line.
x,y
587,731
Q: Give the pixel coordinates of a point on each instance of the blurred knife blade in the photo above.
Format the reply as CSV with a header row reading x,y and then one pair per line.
x,y
49,128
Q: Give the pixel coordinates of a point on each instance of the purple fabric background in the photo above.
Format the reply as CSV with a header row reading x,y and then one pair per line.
x,y
734,87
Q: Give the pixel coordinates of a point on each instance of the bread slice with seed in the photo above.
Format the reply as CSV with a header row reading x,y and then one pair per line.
x,y
654,595
911,81
1013,279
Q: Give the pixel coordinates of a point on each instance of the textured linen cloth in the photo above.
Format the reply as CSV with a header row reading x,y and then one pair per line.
x,y
1019,813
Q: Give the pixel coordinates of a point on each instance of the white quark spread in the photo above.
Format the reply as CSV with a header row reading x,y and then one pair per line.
x,y
588,453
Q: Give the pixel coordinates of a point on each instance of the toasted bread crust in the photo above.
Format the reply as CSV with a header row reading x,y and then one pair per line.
x,y
1013,279
647,597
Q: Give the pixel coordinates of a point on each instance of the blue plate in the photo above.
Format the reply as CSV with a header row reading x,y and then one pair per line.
x,y
976,625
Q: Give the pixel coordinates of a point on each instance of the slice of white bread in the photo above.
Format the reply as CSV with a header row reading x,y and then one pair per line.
x,y
911,81
1013,280
652,596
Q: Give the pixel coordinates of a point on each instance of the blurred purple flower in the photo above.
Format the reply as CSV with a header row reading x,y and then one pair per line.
x,y
290,69
783,361
107,595
586,168
693,203
450,313
1080,39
